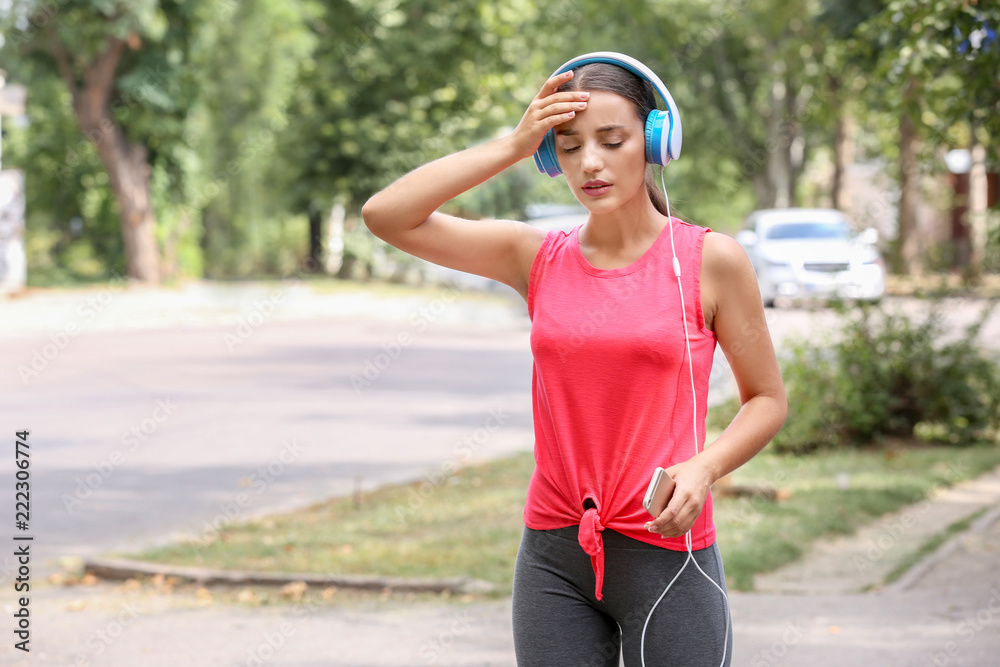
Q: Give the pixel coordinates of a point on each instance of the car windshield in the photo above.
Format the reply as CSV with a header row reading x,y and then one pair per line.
x,y
808,230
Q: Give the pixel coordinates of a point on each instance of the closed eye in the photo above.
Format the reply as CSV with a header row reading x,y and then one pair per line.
x,y
573,149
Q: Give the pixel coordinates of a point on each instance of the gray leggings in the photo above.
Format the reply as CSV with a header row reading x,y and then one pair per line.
x,y
559,623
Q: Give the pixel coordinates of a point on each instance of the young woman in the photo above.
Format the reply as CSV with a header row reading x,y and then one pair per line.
x,y
620,377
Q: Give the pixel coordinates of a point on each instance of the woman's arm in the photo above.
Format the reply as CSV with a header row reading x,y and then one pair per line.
x,y
731,302
405,213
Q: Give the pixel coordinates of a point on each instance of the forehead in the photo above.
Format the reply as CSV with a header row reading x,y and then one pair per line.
x,y
603,111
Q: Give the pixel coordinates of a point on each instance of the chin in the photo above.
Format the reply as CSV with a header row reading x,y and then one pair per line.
x,y
600,206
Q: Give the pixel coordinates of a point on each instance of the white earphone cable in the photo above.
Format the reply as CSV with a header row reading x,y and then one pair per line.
x,y
694,398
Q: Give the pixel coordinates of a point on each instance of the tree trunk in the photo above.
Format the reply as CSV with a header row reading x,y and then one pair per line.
x,y
315,241
908,259
843,148
792,142
778,143
126,163
129,174
763,188
959,221
978,206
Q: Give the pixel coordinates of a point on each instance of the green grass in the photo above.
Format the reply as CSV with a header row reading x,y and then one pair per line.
x,y
470,524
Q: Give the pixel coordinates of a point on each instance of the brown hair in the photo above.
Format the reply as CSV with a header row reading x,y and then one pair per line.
x,y
618,80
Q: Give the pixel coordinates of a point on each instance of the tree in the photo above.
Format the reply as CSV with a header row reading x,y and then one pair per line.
x,y
845,66
391,87
751,74
120,60
71,214
940,59
250,55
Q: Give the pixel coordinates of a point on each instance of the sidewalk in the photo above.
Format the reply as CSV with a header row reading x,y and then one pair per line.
x,y
863,561
944,610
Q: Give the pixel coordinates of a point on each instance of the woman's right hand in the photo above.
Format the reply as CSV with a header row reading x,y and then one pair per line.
x,y
547,110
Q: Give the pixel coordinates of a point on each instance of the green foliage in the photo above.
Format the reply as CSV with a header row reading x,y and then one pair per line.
x,y
887,374
390,87
258,112
51,48
929,48
359,252
70,210
233,188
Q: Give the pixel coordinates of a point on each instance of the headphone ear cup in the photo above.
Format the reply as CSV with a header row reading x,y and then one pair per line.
x,y
545,156
658,137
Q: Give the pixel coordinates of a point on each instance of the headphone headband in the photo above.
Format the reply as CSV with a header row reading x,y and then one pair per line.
x,y
661,146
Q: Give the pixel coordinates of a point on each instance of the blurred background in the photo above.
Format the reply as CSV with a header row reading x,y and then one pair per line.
x,y
173,139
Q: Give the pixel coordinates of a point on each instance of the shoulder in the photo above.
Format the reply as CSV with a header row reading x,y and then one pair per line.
x,y
529,234
726,273
723,258
528,240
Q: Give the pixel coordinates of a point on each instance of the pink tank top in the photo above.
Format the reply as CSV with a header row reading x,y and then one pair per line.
x,y
611,389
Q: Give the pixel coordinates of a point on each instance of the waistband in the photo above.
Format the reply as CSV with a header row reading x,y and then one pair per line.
x,y
612,538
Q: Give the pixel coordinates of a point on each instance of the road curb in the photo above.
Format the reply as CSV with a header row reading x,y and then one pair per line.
x,y
913,576
122,569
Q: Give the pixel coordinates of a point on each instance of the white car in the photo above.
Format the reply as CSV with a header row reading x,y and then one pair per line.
x,y
809,253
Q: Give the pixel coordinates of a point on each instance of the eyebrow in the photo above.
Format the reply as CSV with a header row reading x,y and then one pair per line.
x,y
606,128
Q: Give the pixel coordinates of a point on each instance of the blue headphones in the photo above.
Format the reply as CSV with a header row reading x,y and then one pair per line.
x,y
663,128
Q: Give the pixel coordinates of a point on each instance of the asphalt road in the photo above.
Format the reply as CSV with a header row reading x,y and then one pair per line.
x,y
137,436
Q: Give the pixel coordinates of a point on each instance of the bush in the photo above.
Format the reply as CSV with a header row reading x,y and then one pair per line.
x,y
884,374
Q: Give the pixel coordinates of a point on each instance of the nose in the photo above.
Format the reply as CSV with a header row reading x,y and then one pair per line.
x,y
592,161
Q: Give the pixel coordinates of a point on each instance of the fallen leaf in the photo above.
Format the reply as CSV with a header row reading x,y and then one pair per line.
x,y
294,590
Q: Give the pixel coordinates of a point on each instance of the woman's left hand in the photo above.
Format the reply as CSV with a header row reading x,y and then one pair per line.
x,y
692,482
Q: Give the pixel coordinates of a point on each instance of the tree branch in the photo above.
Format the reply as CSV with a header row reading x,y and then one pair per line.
x,y
100,77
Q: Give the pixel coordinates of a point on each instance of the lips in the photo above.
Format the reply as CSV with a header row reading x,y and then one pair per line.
x,y
596,188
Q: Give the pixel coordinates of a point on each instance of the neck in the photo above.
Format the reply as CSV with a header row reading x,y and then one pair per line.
x,y
630,224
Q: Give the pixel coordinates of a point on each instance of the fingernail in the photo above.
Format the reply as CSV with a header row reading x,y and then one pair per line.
x,y
584,95
582,105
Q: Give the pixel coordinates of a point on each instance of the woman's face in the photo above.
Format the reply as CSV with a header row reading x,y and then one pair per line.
x,y
602,153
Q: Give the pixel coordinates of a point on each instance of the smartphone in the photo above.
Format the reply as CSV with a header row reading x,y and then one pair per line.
x,y
661,487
